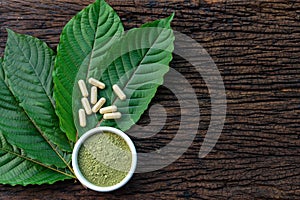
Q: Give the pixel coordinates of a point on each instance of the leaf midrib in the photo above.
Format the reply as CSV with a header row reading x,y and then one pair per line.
x,y
45,138
94,43
91,54
35,72
36,162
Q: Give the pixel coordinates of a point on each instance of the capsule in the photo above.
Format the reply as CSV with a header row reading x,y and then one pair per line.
x,y
94,91
98,105
82,118
96,83
108,109
83,88
86,105
114,115
119,92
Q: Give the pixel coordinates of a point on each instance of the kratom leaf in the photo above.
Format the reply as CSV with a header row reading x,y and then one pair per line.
x,y
17,169
137,63
27,115
83,42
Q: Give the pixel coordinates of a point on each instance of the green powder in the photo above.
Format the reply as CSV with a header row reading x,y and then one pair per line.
x,y
104,159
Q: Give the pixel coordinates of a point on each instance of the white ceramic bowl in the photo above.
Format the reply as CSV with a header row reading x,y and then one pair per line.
x,y
99,130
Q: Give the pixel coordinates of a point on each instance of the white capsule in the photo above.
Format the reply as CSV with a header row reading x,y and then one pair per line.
x,y
98,105
83,88
94,95
119,92
114,115
82,118
108,109
86,105
96,83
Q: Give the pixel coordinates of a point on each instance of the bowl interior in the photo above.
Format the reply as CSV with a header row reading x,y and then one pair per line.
x,y
80,142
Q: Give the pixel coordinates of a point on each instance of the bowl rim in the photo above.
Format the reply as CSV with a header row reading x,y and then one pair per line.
x,y
100,130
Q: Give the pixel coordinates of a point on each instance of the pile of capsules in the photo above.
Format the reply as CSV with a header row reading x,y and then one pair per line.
x,y
109,112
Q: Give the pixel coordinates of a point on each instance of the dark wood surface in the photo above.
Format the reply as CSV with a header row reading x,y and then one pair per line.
x,y
256,46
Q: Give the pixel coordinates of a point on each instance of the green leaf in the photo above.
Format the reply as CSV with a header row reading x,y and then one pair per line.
x,y
137,62
84,41
27,115
17,169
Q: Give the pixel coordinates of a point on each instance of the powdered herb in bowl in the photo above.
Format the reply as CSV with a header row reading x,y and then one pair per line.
x,y
104,159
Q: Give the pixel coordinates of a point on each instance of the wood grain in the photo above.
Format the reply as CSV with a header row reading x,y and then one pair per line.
x,y
256,46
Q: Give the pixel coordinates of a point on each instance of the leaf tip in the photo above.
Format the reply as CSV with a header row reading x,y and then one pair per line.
x,y
10,32
171,17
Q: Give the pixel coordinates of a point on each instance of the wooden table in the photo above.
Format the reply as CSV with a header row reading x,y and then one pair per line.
x,y
256,47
